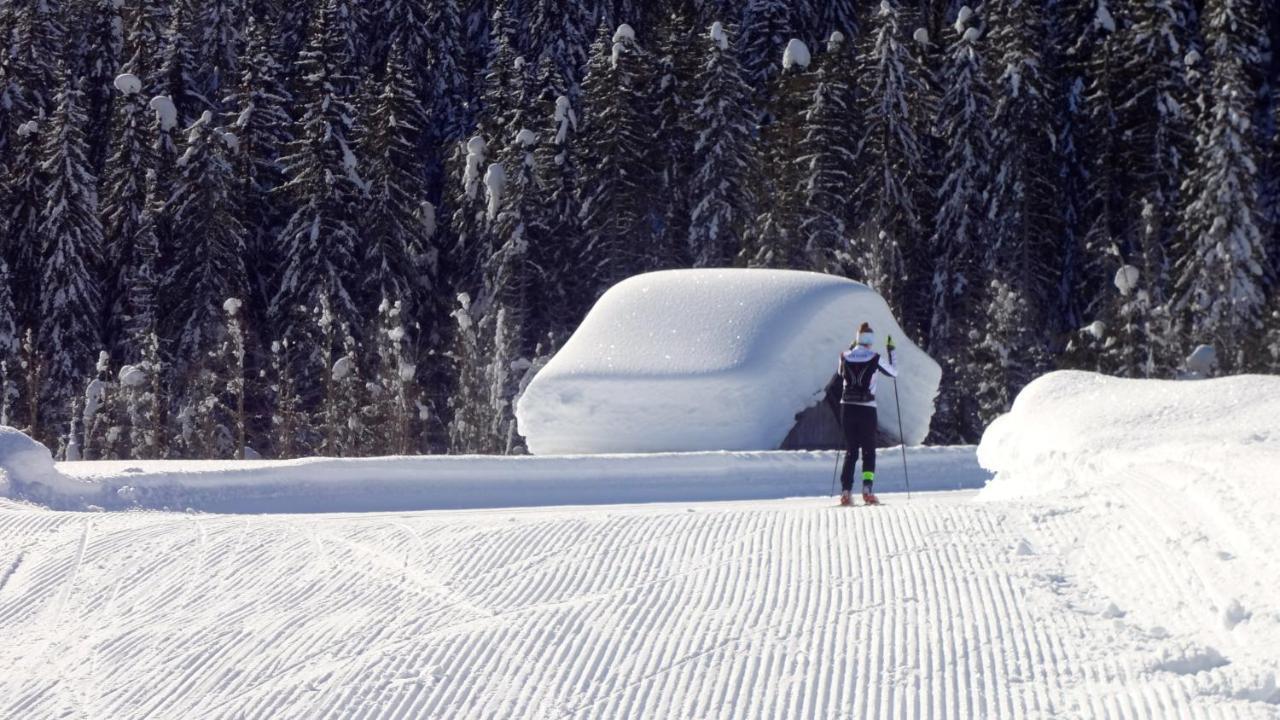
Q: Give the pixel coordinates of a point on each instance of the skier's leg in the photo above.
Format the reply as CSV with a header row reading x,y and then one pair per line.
x,y
867,438
849,424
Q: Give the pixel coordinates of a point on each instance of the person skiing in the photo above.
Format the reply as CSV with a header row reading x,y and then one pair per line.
x,y
858,368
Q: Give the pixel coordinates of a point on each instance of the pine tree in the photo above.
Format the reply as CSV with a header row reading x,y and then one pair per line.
x,y
722,124
619,176
678,55
449,104
557,166
1221,268
180,64
124,200
960,228
766,28
71,235
396,399
219,47
828,153
395,238
262,127
319,240
208,264
100,28
23,196
890,162
9,362
558,30
145,25
776,240
468,432
1019,255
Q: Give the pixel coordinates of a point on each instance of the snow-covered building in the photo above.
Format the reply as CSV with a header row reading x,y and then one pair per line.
x,y
716,359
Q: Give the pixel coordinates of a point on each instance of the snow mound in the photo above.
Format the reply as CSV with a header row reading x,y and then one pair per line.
x,y
1070,428
128,84
22,460
715,359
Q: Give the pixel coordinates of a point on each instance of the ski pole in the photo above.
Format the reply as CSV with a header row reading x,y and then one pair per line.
x,y
902,440
833,473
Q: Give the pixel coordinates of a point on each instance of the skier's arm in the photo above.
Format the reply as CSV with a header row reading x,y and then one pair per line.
x,y
889,361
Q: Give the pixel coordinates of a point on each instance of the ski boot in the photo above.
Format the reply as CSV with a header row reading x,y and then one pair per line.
x,y
868,496
846,498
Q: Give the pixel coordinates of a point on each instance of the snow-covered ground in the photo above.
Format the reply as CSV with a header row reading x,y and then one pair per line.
x,y
1122,563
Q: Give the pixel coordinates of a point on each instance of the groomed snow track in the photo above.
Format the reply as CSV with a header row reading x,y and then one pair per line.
x,y
941,608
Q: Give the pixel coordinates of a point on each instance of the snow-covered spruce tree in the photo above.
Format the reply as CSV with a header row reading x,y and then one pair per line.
x,y
504,82
766,28
138,303
22,194
208,261
234,352
100,425
1019,254
145,25
775,239
1138,332
448,101
289,425
123,203
99,57
71,240
468,431
1221,267
469,222
32,367
319,239
396,399
9,363
559,30
1154,119
259,106
558,173
394,251
834,16
960,228
828,152
140,395
1104,231
344,407
177,76
35,57
619,177
219,23
888,227
722,154
678,57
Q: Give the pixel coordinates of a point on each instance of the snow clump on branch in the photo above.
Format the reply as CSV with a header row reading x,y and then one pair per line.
x,y
128,84
796,54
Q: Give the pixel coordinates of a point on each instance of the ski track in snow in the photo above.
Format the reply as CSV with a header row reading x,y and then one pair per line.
x,y
937,608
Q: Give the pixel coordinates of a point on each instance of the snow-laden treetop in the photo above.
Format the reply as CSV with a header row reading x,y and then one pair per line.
x,y
796,54
714,359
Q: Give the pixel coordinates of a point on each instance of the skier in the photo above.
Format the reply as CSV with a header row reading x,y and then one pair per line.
x,y
857,371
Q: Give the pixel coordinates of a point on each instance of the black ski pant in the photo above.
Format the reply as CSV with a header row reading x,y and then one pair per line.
x,y
859,424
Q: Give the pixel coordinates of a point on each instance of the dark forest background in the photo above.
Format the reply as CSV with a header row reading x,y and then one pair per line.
x,y
353,227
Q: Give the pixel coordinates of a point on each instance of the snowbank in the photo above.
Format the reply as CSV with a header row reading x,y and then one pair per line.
x,y
460,481
1164,495
22,460
686,360
1073,429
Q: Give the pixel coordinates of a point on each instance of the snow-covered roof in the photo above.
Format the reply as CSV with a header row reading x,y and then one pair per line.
x,y
714,359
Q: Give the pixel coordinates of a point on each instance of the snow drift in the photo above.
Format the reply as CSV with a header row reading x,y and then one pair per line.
x,y
686,360
22,460
1072,429
1163,494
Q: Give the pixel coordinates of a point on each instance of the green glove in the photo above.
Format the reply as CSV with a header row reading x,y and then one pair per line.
x,y
889,344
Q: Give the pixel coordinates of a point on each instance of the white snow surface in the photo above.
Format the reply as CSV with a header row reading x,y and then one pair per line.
x,y
1143,588
796,54
1174,483
715,359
